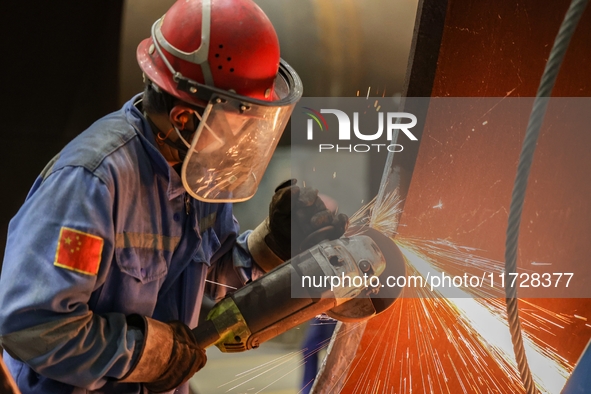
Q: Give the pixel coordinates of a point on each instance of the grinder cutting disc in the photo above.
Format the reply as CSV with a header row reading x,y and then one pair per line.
x,y
363,307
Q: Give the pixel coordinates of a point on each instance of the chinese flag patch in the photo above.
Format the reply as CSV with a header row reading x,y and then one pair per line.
x,y
78,251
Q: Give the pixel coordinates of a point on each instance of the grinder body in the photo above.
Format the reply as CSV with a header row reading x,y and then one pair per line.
x,y
293,293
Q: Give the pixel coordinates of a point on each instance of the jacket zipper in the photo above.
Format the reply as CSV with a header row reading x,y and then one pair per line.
x,y
187,203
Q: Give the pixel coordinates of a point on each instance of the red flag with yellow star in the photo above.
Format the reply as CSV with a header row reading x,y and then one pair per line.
x,y
78,251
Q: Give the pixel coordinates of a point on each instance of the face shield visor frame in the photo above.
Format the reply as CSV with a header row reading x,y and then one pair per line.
x,y
236,137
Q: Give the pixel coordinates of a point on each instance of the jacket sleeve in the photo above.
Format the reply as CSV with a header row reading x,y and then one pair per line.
x,y
232,266
59,250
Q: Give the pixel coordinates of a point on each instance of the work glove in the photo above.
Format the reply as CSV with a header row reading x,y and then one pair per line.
x,y
170,355
298,219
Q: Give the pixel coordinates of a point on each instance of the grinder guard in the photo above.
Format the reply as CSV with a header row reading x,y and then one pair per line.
x,y
363,307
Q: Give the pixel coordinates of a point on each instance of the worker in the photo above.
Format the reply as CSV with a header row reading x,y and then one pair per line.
x,y
106,261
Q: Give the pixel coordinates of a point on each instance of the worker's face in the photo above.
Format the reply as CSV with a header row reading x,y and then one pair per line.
x,y
211,138
231,147
185,119
216,135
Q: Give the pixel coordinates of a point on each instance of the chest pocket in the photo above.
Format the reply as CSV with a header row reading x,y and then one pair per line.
x,y
144,257
143,262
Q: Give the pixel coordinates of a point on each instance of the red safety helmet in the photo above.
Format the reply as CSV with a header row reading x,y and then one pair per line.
x,y
227,44
223,55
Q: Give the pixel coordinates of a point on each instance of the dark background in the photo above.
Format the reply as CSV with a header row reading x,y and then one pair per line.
x,y
59,74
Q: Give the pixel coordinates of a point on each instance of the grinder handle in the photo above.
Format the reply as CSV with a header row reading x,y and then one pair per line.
x,y
206,334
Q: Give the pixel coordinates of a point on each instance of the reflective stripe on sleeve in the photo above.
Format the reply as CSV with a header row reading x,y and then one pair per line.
x,y
147,241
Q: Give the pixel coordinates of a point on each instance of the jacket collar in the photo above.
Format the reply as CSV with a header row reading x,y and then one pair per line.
x,y
142,126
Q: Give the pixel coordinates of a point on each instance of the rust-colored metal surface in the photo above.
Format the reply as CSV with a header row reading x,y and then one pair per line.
x,y
456,215
457,207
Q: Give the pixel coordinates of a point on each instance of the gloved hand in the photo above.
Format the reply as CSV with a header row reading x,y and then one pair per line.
x,y
170,354
313,222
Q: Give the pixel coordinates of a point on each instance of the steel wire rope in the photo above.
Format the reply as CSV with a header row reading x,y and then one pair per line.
x,y
547,82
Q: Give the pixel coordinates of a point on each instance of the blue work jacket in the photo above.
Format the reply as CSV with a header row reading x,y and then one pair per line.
x,y
106,231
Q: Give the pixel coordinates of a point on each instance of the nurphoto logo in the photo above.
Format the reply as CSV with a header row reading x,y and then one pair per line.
x,y
394,121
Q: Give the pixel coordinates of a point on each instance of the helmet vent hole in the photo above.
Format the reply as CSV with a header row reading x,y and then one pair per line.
x,y
229,59
231,70
217,55
219,67
221,46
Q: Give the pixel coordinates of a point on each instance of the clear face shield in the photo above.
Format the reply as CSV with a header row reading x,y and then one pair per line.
x,y
235,139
